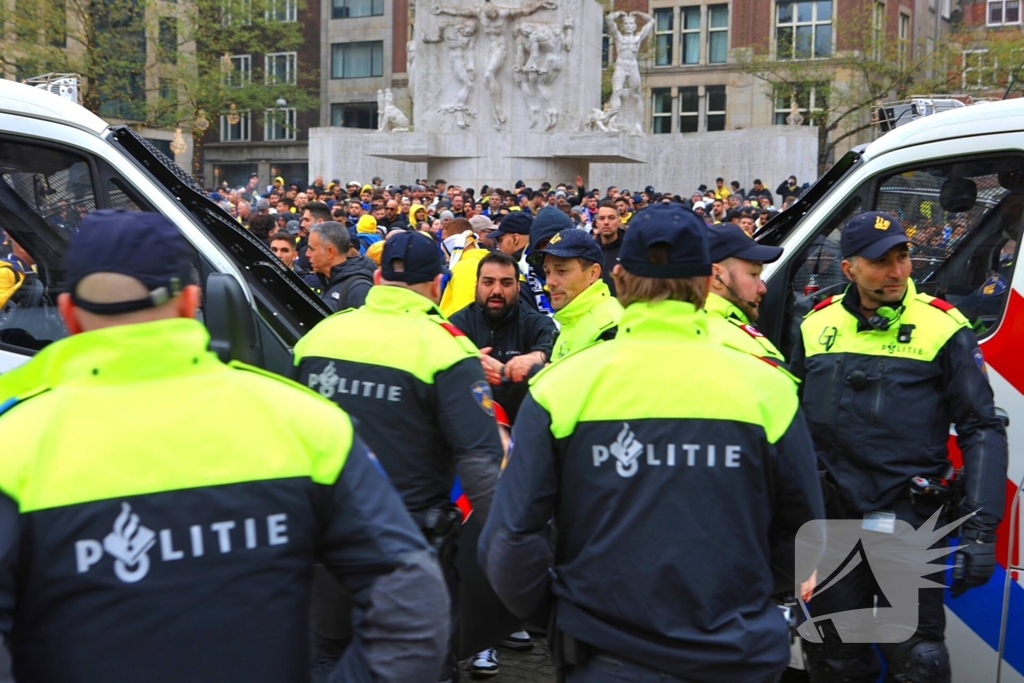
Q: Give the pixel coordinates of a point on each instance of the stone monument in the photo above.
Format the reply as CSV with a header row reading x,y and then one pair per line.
x,y
506,90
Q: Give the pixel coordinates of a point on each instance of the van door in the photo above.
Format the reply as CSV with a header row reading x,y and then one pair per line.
x,y
962,204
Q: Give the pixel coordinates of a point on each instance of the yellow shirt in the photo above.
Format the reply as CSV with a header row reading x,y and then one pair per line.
x,y
722,192
461,289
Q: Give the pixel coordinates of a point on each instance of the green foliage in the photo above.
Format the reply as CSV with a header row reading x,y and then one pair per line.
x,y
161,62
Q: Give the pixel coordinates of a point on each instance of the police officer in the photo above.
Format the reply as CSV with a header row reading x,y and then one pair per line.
x,y
885,371
414,383
585,310
129,496
664,480
735,290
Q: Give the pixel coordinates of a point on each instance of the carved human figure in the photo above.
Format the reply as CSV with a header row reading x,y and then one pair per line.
x,y
493,21
538,62
410,64
460,37
392,120
626,76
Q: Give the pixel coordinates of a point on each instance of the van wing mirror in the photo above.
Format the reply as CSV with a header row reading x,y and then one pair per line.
x,y
229,319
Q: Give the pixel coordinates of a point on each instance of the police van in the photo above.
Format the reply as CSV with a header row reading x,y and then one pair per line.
x,y
956,182
59,162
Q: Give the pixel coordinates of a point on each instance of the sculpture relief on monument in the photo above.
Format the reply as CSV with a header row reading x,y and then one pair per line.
x,y
460,39
538,63
390,118
626,101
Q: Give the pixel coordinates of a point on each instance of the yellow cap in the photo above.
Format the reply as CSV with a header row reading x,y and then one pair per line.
x,y
375,250
366,224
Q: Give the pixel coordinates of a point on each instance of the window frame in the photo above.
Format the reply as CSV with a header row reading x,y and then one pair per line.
x,y
339,107
714,32
693,115
980,69
814,23
337,5
695,34
289,128
708,112
661,116
291,67
661,35
342,47
245,120
813,105
228,79
1002,13
290,11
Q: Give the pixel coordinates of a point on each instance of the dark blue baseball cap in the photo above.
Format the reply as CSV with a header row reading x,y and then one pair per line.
x,y
679,229
727,240
144,246
569,243
871,234
420,256
515,223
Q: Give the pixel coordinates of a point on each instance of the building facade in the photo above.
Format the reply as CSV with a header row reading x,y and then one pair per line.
x,y
695,84
271,142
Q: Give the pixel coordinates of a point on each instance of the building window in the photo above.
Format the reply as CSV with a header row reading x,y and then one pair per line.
x,y
1003,12
904,36
808,101
803,30
663,36
661,110
689,110
350,9
357,60
279,124
978,71
240,73
718,33
354,115
691,35
280,68
878,28
715,95
168,40
281,10
229,9
237,132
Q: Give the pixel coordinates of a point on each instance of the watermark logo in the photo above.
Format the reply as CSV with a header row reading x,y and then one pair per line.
x,y
893,551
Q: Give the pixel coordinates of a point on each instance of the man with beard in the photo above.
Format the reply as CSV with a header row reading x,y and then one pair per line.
x,y
735,289
512,338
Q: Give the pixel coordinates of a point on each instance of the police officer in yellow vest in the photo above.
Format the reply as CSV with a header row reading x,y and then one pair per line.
x,y
145,516
735,290
585,310
885,372
666,483
413,382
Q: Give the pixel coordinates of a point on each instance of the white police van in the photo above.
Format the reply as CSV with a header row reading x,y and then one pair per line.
x,y
956,181
58,162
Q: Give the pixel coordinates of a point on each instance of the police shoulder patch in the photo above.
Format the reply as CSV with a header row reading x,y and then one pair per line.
x,y
979,358
941,305
749,329
452,330
482,395
825,302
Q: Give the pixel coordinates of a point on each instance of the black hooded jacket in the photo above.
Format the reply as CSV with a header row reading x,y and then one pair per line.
x,y
347,285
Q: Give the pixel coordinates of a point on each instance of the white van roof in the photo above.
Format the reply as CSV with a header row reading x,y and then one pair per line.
x,y
979,119
20,99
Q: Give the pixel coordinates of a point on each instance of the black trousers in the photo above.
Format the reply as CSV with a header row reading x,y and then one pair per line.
x,y
860,590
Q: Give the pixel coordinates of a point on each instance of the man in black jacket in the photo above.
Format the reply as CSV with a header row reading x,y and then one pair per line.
x,y
342,282
609,238
513,339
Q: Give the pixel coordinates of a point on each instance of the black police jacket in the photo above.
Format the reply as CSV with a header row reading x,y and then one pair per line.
x,y
522,330
611,257
879,403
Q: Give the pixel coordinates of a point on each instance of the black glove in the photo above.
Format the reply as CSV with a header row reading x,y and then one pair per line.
x,y
975,562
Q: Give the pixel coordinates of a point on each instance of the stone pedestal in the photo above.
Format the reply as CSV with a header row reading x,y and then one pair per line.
x,y
476,159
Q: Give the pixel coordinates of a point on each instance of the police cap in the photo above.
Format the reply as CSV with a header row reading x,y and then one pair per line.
x,y
871,234
682,231
145,246
727,240
421,259
569,243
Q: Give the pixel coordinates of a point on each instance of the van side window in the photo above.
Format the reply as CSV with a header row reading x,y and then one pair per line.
x,y
44,193
964,219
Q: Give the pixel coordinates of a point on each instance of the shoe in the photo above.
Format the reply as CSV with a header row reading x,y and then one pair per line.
x,y
484,665
518,641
